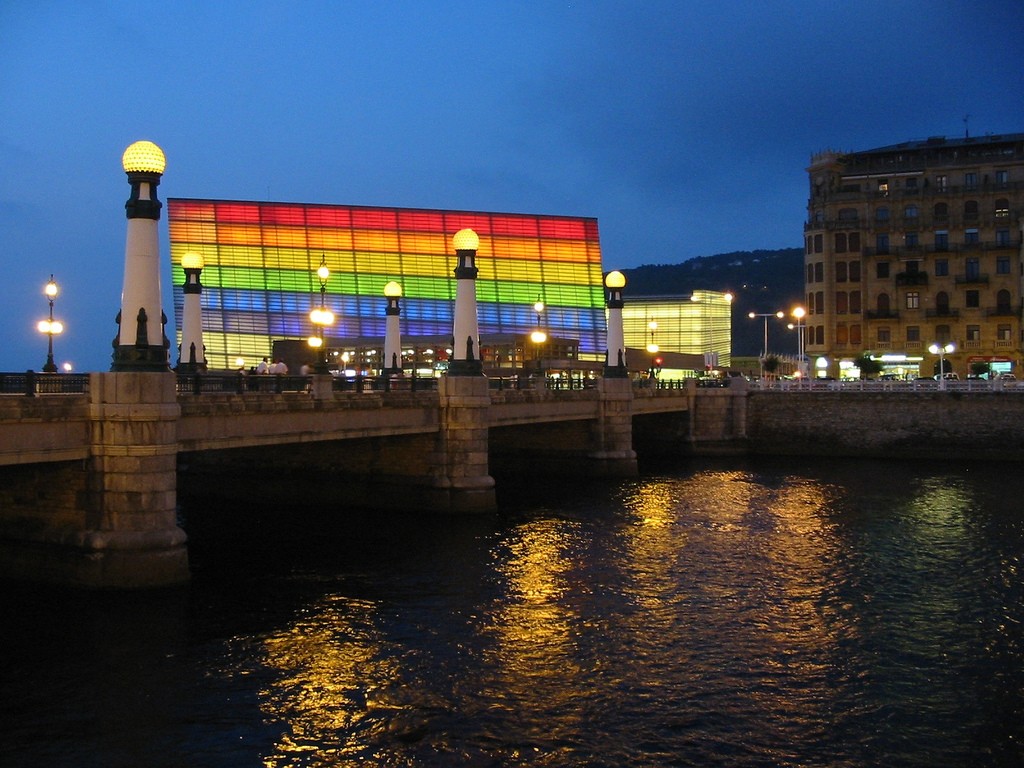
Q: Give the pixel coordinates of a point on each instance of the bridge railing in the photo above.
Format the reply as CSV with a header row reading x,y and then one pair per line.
x,y
239,383
32,383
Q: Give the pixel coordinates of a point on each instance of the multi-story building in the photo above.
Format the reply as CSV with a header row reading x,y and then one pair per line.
x,y
915,244
698,326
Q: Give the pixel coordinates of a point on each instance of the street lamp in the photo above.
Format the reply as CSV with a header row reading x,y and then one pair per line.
x,y
799,313
392,363
942,350
539,336
765,315
652,347
321,317
50,327
615,354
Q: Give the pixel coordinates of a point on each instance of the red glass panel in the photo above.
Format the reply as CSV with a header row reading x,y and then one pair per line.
x,y
422,221
478,222
567,229
524,226
374,218
241,212
284,214
320,216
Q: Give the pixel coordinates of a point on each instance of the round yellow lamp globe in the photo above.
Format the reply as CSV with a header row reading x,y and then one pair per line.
x,y
143,157
192,260
466,240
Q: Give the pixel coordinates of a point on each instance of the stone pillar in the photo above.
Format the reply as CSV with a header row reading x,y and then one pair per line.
x,y
613,435
131,536
462,482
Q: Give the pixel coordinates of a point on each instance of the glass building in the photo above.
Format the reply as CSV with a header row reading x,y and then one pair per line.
x,y
698,324
260,273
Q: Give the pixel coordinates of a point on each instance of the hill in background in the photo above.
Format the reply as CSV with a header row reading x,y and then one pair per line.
x,y
760,281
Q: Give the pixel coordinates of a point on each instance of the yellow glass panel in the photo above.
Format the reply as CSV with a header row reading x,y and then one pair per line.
x,y
284,236
194,231
242,256
423,242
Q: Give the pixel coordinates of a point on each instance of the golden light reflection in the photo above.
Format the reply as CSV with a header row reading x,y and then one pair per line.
x,y
536,618
322,664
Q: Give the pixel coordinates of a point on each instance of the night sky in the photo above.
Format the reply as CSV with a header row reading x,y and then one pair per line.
x,y
684,127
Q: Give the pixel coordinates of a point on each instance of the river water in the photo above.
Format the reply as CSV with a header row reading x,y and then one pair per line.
x,y
732,613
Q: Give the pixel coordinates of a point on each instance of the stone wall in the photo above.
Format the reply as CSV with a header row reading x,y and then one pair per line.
x,y
940,425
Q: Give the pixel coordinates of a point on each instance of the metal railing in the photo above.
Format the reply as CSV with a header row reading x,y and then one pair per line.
x,y
239,383
32,383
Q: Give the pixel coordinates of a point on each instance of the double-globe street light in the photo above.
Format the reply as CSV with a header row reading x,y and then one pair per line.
x,y
321,317
50,327
652,348
799,313
764,349
538,337
942,350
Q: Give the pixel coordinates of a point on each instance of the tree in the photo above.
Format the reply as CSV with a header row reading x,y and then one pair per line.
x,y
981,368
868,366
771,364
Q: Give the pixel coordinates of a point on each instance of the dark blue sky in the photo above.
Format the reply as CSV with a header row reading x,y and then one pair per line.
x,y
684,127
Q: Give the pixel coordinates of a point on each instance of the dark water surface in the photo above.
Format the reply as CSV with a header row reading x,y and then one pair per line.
x,y
724,614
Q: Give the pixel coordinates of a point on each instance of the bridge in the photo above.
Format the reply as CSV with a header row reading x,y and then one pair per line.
x,y
92,464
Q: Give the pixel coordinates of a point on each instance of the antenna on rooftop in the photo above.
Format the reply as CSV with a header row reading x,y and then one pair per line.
x,y
967,129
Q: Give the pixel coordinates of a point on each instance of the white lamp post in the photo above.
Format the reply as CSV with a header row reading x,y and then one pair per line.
x,y
392,363
942,350
799,313
615,354
465,357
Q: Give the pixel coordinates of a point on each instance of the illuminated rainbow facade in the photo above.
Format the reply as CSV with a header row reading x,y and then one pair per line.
x,y
260,261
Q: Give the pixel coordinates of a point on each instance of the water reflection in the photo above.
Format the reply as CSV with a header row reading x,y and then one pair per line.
x,y
746,614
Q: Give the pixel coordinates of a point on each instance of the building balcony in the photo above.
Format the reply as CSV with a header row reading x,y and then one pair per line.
x,y
881,314
911,278
1003,311
942,312
978,279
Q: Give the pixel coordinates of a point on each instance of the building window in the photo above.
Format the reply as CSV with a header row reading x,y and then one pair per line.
x,y
840,271
818,243
854,271
819,334
1003,332
972,299
973,268
807,246
913,333
819,272
1003,302
942,303
881,243
942,267
840,242
883,304
1002,265
1002,237
912,183
942,182
882,214
882,269
971,180
970,237
884,335
842,302
910,212
854,302
810,303
1002,208
855,334
910,239
913,300
842,334
971,210
1002,178
942,333
819,299
941,240
883,187
847,214
810,273
974,333
853,242
941,211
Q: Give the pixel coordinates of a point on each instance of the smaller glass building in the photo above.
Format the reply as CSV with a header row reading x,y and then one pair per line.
x,y
698,324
